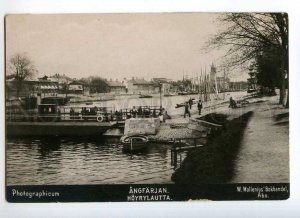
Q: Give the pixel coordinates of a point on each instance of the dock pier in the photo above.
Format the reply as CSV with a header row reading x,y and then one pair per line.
x,y
180,145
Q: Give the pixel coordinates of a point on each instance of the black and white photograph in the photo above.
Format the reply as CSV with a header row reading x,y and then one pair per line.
x,y
128,107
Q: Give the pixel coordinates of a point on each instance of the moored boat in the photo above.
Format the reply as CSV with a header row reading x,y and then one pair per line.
x,y
51,118
134,143
145,96
183,104
168,95
62,128
180,105
183,93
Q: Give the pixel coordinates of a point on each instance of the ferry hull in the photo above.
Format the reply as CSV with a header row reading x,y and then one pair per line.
x,y
56,128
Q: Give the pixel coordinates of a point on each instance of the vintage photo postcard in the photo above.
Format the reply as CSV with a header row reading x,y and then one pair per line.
x,y
146,107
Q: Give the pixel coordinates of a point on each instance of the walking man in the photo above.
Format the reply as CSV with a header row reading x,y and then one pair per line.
x,y
190,103
186,109
199,106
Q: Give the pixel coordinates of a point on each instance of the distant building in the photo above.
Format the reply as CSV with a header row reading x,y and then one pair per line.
x,y
141,86
30,87
100,85
165,84
116,87
75,87
62,81
238,86
60,78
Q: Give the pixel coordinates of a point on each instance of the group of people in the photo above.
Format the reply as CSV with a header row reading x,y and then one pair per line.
x,y
141,112
86,113
188,106
146,112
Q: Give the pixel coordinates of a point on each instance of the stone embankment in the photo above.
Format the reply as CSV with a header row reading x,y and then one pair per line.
x,y
214,162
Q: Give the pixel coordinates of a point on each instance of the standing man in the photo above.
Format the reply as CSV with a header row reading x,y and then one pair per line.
x,y
190,103
199,106
186,109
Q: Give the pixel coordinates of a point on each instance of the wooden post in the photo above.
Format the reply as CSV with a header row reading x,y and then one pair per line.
x,y
172,157
160,98
175,158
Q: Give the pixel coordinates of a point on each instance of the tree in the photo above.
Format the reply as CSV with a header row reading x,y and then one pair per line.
x,y
246,35
98,85
20,69
64,88
268,69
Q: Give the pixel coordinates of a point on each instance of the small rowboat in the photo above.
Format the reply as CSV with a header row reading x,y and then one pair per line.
x,y
180,105
145,96
183,93
183,104
133,143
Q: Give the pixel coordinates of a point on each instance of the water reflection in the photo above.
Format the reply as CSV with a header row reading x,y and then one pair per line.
x,y
47,146
83,161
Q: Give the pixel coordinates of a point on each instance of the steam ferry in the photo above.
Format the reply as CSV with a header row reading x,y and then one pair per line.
x,y
53,116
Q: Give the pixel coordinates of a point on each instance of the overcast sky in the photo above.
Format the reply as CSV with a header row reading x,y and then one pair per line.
x,y
115,45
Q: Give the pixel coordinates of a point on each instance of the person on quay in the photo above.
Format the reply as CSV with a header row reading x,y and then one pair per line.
x,y
134,112
161,116
186,110
190,103
232,103
72,113
165,114
199,105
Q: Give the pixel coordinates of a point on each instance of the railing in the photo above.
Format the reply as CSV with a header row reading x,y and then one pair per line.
x,y
180,145
75,113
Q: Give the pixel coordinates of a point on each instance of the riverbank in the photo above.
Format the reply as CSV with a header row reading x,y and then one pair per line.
x,y
252,148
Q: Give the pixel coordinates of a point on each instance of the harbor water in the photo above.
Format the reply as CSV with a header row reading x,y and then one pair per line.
x,y
83,161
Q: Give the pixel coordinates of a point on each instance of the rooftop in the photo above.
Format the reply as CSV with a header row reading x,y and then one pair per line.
x,y
115,84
